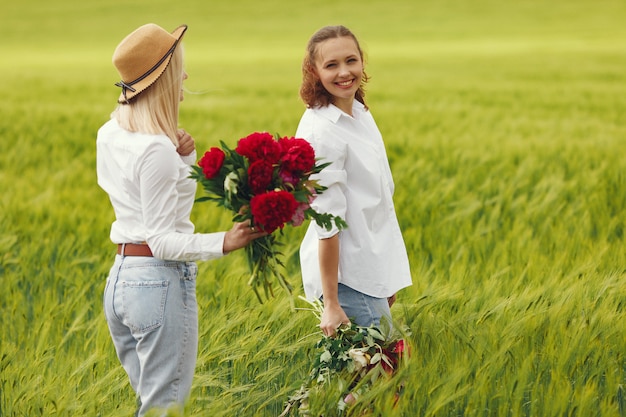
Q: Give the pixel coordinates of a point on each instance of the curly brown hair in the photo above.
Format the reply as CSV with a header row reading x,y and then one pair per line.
x,y
312,91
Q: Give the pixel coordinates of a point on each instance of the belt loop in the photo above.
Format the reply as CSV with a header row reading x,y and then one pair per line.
x,y
184,269
123,250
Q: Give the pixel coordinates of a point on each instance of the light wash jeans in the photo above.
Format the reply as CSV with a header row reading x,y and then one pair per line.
x,y
364,310
152,313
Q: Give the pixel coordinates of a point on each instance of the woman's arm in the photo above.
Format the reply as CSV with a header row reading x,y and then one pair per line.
x,y
333,315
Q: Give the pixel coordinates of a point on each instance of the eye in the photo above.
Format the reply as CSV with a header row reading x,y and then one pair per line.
x,y
331,65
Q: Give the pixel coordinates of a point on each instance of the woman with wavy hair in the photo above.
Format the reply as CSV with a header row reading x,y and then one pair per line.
x,y
357,271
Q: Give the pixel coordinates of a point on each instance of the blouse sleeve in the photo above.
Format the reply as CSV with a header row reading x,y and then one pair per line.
x,y
190,159
334,176
158,178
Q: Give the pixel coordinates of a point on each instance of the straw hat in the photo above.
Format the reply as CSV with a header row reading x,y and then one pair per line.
x,y
142,57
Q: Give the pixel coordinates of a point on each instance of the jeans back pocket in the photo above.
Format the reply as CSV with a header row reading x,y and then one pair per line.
x,y
143,304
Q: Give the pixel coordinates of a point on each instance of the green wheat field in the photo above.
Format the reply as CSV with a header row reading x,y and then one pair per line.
x,y
505,125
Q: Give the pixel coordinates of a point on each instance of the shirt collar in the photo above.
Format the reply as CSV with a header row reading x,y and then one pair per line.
x,y
333,113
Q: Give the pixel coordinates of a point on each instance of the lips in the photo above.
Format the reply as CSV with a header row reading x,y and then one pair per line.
x,y
346,83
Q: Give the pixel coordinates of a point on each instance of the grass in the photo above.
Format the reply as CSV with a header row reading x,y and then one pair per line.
x,y
504,128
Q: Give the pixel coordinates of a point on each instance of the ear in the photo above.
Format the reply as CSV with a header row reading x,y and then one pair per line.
x,y
309,67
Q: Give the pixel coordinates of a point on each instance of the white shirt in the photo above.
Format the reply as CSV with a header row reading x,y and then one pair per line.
x,y
152,195
372,254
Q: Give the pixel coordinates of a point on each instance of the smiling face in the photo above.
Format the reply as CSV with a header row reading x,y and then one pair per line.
x,y
339,67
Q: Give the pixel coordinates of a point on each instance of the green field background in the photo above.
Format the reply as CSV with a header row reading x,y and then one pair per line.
x,y
505,125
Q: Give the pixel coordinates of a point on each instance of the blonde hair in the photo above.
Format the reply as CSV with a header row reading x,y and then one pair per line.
x,y
155,110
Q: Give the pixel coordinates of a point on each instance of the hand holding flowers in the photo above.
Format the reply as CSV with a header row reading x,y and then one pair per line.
x,y
266,180
347,364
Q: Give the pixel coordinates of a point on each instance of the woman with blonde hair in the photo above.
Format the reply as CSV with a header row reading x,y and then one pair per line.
x,y
143,163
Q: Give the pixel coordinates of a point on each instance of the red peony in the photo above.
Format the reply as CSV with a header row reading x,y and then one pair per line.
x,y
259,146
273,209
394,354
400,347
264,180
260,176
297,155
288,177
211,162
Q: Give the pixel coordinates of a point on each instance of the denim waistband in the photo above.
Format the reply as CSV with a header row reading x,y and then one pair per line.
x,y
186,267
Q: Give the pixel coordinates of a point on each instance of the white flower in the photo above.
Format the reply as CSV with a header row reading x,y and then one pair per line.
x,y
231,185
360,358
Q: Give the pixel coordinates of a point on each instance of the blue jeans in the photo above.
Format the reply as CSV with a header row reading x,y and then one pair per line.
x,y
152,313
363,309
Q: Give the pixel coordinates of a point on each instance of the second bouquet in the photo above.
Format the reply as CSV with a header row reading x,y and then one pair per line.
x,y
265,179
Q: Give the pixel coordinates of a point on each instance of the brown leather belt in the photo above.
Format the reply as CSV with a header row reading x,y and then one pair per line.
x,y
134,249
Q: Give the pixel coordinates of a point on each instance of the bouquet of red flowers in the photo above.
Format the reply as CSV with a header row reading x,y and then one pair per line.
x,y
265,179
347,364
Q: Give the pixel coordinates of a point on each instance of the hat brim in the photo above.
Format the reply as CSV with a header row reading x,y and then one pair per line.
x,y
156,73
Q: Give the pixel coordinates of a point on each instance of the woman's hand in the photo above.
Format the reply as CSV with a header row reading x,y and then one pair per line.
x,y
241,235
333,317
186,144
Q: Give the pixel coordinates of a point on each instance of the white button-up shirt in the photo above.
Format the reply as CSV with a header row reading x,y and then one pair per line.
x,y
152,195
372,254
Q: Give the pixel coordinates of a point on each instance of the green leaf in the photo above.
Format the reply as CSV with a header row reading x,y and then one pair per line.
x,y
326,356
375,333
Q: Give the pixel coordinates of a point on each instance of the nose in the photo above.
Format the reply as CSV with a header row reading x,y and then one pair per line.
x,y
344,70
185,76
